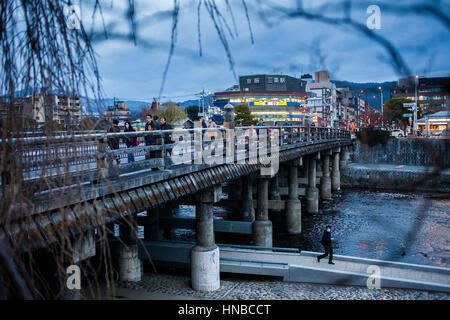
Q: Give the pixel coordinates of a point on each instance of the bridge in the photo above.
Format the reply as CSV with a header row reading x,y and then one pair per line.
x,y
76,187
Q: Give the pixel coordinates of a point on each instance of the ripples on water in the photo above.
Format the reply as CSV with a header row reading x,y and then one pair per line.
x,y
364,223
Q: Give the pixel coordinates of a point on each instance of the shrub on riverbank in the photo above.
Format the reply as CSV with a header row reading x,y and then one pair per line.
x,y
373,137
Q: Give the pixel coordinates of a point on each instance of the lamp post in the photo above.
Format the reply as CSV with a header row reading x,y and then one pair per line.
x,y
382,105
416,80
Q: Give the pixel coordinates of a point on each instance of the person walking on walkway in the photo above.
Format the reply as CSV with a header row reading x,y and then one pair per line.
x,y
327,244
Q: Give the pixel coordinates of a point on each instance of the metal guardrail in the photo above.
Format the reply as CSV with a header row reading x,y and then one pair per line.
x,y
58,155
254,261
258,247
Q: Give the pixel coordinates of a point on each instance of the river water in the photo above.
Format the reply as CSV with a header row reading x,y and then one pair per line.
x,y
369,224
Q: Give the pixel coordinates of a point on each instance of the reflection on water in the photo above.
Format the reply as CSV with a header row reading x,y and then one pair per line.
x,y
364,223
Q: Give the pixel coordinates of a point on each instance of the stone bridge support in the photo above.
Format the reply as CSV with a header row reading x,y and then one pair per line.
x,y
274,190
344,157
325,180
312,193
248,210
335,174
129,265
293,205
262,227
152,227
205,263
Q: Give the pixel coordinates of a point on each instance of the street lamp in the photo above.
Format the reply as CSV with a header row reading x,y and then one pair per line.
x,y
382,105
416,80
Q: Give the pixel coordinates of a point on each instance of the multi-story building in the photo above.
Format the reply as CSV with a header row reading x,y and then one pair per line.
x,y
433,94
330,105
66,110
118,110
274,98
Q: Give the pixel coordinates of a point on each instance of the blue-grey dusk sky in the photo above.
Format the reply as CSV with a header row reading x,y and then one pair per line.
x,y
290,46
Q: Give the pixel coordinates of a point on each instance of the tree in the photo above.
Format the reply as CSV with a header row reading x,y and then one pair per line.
x,y
145,110
19,124
91,123
243,114
192,112
52,126
172,112
393,111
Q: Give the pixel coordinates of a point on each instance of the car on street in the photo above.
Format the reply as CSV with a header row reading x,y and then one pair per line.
x,y
397,133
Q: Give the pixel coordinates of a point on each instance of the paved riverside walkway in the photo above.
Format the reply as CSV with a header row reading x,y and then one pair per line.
x,y
157,286
304,267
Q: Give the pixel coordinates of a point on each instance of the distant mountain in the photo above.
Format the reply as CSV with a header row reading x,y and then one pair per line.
x,y
372,90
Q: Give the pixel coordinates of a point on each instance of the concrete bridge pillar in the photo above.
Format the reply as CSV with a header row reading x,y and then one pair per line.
x,y
205,265
274,190
262,227
312,194
343,157
152,228
293,205
335,174
248,211
325,180
129,266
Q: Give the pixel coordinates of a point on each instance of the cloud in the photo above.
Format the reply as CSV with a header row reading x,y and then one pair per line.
x,y
291,46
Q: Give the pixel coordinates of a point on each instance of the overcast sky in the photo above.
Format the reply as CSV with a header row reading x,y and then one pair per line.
x,y
290,46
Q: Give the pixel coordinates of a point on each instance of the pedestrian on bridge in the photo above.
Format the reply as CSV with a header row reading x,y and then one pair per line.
x,y
114,142
327,244
164,125
131,142
151,140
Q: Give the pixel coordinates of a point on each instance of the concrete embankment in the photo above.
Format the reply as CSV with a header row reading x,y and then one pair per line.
x,y
401,164
395,177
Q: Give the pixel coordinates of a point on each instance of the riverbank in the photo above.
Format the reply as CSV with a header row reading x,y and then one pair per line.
x,y
165,286
395,177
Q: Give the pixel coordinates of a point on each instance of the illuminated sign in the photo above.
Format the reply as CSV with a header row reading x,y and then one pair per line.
x,y
270,103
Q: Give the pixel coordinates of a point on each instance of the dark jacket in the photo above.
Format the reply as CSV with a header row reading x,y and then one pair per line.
x,y
150,139
326,238
167,136
130,142
113,142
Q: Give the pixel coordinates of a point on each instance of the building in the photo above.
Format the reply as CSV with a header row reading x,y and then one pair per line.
x,y
331,106
118,110
433,94
64,109
271,97
265,82
438,121
40,107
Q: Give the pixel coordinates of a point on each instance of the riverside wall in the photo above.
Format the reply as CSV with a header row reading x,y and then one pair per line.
x,y
402,164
